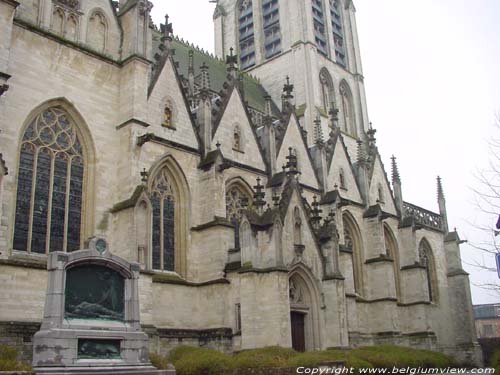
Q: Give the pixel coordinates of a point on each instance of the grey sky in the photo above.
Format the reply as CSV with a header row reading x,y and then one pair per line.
x,y
432,74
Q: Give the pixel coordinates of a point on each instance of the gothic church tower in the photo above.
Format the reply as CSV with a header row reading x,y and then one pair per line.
x,y
314,42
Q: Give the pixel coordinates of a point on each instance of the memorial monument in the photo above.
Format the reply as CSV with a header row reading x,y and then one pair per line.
x,y
91,322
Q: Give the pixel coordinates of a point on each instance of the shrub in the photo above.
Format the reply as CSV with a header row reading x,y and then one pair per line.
x,y
158,361
389,356
8,360
197,361
270,357
495,361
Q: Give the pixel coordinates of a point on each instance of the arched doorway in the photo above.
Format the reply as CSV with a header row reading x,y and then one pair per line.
x,y
304,317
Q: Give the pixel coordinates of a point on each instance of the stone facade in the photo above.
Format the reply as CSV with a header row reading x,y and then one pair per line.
x,y
317,230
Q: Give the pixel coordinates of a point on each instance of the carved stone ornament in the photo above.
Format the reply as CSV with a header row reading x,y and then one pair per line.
x,y
295,293
145,7
73,4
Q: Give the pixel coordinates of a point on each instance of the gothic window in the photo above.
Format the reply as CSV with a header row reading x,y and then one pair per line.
x,y
236,201
391,249
72,28
327,91
427,261
168,116
246,34
319,26
352,241
141,229
237,139
349,125
97,31
238,317
297,227
343,184
338,32
272,33
50,185
58,21
163,226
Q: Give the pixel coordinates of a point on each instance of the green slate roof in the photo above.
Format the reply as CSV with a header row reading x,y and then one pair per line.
x,y
254,92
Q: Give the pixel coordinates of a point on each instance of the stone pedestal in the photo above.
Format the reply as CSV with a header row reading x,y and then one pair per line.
x,y
91,320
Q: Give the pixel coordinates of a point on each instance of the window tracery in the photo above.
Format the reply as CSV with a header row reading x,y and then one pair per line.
x,y
338,32
349,125
236,202
163,224
50,185
97,31
272,33
246,34
426,260
319,26
327,91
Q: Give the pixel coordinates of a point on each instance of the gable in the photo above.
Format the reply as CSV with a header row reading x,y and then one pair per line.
x,y
234,116
340,161
379,179
293,138
311,255
167,90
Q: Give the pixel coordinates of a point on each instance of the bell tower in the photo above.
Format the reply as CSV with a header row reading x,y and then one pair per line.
x,y
314,42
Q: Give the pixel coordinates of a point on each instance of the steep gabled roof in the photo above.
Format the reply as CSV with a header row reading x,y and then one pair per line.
x,y
166,65
254,92
302,144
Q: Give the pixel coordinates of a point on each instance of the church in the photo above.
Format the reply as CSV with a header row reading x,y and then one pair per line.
x,y
247,184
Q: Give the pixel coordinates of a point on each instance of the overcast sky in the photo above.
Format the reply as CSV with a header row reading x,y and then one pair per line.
x,y
432,75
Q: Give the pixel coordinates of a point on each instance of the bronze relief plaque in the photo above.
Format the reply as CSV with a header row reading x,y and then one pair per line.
x,y
94,292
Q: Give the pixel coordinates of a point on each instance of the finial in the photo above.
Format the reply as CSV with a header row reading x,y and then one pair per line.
x,y
361,157
318,131
168,30
395,171
292,164
334,116
218,144
144,175
191,62
259,195
440,188
205,78
276,200
268,109
232,62
315,212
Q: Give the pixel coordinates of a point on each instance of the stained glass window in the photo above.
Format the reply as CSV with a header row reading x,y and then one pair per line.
x,y
49,185
163,202
338,32
236,201
246,34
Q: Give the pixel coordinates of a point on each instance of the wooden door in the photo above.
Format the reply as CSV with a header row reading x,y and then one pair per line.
x,y
298,331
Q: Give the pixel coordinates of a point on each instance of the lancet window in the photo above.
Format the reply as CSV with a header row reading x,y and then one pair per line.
x,y
319,26
163,224
349,125
50,185
246,34
338,32
236,201
427,261
271,23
